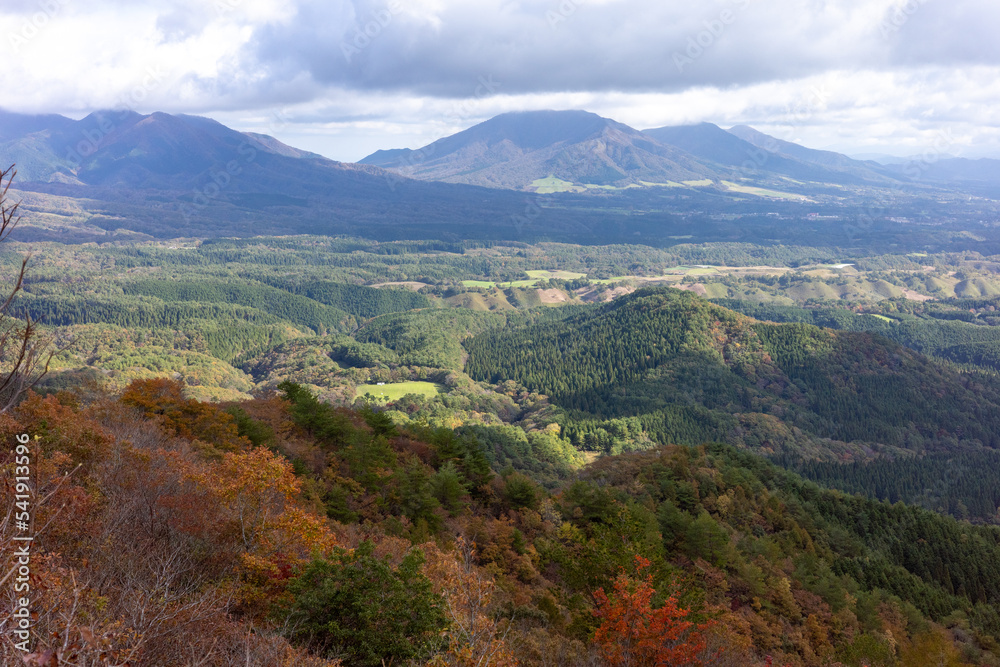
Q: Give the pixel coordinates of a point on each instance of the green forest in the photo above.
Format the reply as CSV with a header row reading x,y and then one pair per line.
x,y
787,452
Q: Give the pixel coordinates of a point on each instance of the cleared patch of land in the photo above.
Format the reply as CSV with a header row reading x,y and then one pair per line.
x,y
408,284
763,192
552,296
668,184
591,294
551,184
558,275
916,296
489,283
396,390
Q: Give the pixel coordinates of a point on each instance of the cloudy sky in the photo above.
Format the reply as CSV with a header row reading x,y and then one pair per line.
x,y
347,77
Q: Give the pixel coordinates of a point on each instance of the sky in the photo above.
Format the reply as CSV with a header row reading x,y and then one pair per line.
x,y
347,77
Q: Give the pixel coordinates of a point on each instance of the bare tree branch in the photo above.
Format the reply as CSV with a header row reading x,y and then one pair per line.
x,y
24,354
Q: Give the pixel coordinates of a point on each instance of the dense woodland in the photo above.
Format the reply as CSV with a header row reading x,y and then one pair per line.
x,y
583,452
340,538
660,350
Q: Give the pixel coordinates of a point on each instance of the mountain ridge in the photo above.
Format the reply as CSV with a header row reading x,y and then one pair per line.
x,y
515,149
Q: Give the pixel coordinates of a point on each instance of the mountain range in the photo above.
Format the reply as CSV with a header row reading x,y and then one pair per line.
x,y
515,149
529,150
162,175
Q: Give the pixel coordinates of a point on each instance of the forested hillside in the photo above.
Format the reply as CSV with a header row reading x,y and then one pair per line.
x,y
231,318
693,372
284,531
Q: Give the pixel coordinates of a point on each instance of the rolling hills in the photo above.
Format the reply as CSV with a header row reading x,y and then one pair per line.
x,y
692,372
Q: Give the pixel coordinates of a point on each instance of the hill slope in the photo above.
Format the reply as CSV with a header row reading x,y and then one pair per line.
x,y
835,162
713,144
693,372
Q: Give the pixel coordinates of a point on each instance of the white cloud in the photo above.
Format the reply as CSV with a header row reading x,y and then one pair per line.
x,y
356,75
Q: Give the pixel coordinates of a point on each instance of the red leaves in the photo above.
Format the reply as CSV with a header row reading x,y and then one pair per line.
x,y
632,632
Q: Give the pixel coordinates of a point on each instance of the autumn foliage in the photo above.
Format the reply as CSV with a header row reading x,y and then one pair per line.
x,y
285,531
635,634
163,399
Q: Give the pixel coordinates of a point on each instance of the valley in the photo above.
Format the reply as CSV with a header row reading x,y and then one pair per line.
x,y
234,318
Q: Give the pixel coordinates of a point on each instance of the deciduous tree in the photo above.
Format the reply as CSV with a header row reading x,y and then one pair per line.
x,y
635,634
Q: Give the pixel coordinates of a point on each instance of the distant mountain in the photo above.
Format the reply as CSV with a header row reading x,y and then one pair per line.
x,y
120,174
515,149
124,148
13,125
162,175
857,170
979,176
881,158
560,149
750,159
952,171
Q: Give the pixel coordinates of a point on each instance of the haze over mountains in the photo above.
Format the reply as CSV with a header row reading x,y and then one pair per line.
x,y
166,175
514,150
177,175
510,151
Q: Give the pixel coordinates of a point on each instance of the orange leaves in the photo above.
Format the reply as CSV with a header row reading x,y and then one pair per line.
x,y
164,399
632,632
258,489
62,429
256,474
253,491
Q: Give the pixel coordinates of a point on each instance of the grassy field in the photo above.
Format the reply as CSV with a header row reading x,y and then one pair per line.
x,y
762,192
559,275
396,390
551,184
546,186
593,186
489,283
536,276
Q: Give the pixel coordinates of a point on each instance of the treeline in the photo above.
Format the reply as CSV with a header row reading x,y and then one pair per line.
x,y
945,333
434,338
605,347
70,310
936,563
